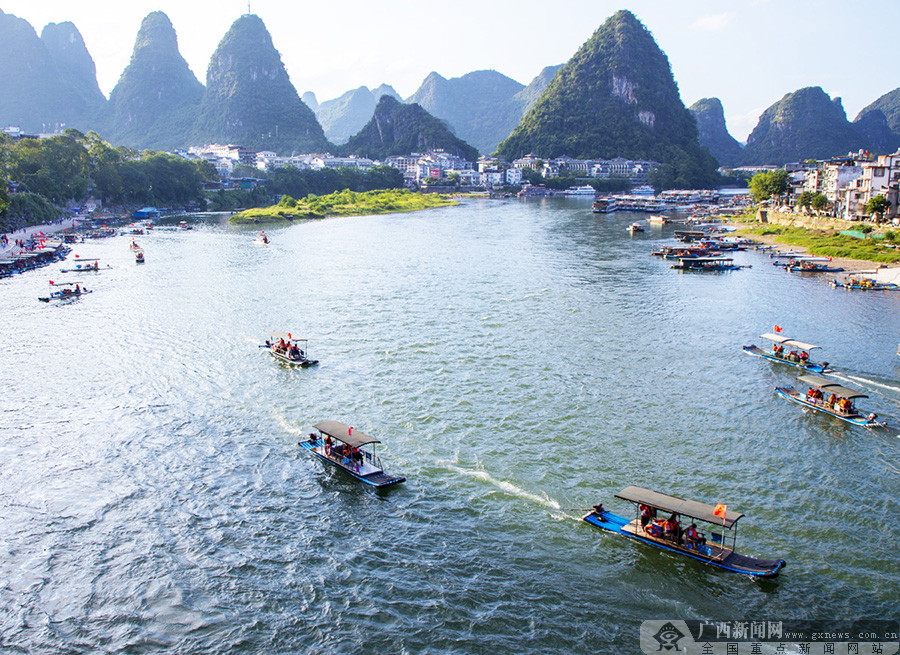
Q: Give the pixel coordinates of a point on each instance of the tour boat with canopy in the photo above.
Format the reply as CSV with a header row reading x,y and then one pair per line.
x,y
635,227
831,398
85,266
798,357
670,536
68,290
349,455
284,347
707,264
812,265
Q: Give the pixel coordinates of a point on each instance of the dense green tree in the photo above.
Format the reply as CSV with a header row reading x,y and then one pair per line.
x,y
819,201
877,206
768,184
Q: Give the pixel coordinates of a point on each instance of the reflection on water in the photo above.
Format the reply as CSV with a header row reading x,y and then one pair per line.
x,y
520,361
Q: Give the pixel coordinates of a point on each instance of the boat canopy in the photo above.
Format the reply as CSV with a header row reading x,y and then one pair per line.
x,y
831,387
345,433
706,259
675,505
787,341
284,335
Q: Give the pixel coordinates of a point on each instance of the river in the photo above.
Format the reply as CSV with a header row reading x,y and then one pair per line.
x,y
519,361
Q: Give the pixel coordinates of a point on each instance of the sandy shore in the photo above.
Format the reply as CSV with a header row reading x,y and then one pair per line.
x,y
842,262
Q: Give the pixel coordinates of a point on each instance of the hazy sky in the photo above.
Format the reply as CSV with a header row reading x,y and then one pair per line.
x,y
748,53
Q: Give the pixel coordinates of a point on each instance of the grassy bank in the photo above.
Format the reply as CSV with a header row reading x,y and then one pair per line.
x,y
344,203
830,243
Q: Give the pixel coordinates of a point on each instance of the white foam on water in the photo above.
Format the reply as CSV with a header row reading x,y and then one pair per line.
x,y
853,378
507,487
291,427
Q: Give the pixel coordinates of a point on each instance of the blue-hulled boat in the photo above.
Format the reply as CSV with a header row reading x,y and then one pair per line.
x,y
798,358
647,528
830,398
707,264
349,455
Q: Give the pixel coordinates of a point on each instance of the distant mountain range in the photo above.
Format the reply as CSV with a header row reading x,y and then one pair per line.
x,y
615,97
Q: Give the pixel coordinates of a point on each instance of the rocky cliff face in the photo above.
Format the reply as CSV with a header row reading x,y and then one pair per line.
x,y
48,82
880,122
710,117
399,129
802,125
155,103
616,97
249,98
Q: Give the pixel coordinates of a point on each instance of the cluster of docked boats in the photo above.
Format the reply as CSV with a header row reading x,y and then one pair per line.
x,y
796,262
27,260
703,248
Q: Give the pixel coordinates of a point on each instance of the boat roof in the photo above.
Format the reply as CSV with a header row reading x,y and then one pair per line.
x,y
706,259
284,335
343,433
787,341
676,505
831,387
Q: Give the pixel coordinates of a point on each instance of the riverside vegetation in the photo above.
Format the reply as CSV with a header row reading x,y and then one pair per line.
x,y
345,203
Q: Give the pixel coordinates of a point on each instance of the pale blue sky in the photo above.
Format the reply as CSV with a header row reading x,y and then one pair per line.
x,y
748,53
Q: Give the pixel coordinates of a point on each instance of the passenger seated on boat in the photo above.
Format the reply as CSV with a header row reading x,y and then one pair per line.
x,y
692,538
647,515
804,357
328,445
672,528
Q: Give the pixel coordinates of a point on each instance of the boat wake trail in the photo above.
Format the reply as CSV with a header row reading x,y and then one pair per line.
x,y
861,380
507,487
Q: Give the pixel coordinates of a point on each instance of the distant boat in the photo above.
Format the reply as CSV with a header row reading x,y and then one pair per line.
x,y
139,256
285,348
831,398
585,190
605,206
69,291
635,227
798,358
707,264
656,219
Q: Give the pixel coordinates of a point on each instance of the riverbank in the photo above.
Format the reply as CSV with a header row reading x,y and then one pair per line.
x,y
344,203
820,237
32,231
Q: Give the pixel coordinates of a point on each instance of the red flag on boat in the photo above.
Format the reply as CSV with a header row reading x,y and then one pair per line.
x,y
778,329
350,432
289,336
51,281
720,510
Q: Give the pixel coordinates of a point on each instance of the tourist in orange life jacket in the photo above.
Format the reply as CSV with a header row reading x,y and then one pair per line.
x,y
691,536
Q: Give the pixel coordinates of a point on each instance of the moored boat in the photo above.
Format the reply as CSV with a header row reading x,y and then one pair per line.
x,y
812,265
605,206
656,219
830,398
798,357
670,536
350,455
284,347
707,264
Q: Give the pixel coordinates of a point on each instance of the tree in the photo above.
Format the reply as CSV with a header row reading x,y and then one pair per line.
x,y
768,184
877,206
4,197
819,201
